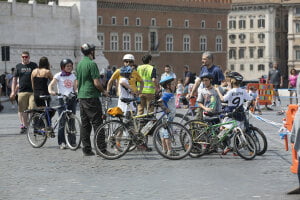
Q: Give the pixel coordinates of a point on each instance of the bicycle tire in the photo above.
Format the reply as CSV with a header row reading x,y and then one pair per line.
x,y
200,138
244,145
179,118
117,140
36,133
72,131
181,140
260,140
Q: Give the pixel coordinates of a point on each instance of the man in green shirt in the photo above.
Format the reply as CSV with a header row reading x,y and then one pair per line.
x,y
89,89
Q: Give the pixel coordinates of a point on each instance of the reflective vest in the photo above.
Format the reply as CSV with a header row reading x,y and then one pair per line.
x,y
145,72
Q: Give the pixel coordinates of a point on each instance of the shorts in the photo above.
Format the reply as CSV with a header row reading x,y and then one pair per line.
x,y
26,101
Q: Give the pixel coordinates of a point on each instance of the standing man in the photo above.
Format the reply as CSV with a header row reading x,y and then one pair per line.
x,y
275,77
148,74
89,89
25,97
188,79
128,60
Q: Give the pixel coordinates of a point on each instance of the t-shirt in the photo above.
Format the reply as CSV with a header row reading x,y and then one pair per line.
x,y
274,76
135,77
236,97
86,72
293,80
23,72
124,93
210,99
169,101
65,84
164,75
253,94
191,76
216,72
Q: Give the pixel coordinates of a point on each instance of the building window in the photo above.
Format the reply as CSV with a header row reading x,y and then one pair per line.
x,y
153,41
113,20
101,39
251,67
261,22
241,53
126,21
251,37
219,43
251,23
186,43
202,24
232,38
298,27
297,55
242,37
126,42
138,21
153,22
242,24
138,42
219,25
232,68
261,67
114,44
169,23
260,53
169,42
277,22
232,24
251,52
242,67
186,23
297,10
261,37
232,54
100,22
203,43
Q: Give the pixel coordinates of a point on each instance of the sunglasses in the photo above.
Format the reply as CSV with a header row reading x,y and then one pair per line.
x,y
25,56
128,61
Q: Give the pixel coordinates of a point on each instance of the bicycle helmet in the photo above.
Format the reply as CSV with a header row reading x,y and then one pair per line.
x,y
86,48
115,111
237,76
166,80
64,62
128,57
125,70
206,75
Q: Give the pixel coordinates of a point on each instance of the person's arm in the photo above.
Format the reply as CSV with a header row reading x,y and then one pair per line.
x,y
13,88
219,93
98,85
281,81
113,77
51,85
186,80
32,78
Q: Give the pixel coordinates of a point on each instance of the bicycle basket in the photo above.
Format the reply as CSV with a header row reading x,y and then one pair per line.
x,y
115,111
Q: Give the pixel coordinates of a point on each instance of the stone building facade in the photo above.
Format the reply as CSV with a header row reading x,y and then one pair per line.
x,y
54,31
174,32
257,36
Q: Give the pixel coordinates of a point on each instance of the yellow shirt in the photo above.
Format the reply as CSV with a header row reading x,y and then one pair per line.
x,y
135,77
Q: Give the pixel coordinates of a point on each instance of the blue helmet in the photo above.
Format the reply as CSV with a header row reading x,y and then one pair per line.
x,y
166,80
206,75
126,70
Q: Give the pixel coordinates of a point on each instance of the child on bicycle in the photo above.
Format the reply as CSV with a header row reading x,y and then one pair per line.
x,y
235,98
167,102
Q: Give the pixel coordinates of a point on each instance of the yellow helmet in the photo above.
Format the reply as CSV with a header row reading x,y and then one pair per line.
x,y
115,111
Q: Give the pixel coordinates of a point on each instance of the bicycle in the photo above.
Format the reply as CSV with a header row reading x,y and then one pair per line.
x,y
120,136
184,118
41,127
207,137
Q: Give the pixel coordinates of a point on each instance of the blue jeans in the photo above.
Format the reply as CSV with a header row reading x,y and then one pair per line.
x,y
71,105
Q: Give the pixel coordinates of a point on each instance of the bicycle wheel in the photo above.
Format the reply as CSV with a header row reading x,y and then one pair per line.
x,y
179,140
200,138
36,133
112,140
72,131
179,118
260,140
244,145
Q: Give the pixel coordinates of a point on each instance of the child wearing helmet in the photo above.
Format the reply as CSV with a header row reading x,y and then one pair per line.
x,y
167,102
65,82
208,98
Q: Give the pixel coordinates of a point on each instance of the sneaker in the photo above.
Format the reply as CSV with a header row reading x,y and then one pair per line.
x,y
273,104
144,147
226,150
294,191
62,146
108,153
88,153
172,153
23,130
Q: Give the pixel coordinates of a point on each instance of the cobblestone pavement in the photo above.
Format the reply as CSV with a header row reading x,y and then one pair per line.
x,y
49,173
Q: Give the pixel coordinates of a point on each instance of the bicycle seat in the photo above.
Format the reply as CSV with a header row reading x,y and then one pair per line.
x,y
127,100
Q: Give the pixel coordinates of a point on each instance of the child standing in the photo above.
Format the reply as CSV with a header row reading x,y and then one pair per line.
x,y
254,102
179,92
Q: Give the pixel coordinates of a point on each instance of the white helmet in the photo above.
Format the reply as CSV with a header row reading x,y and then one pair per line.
x,y
128,57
